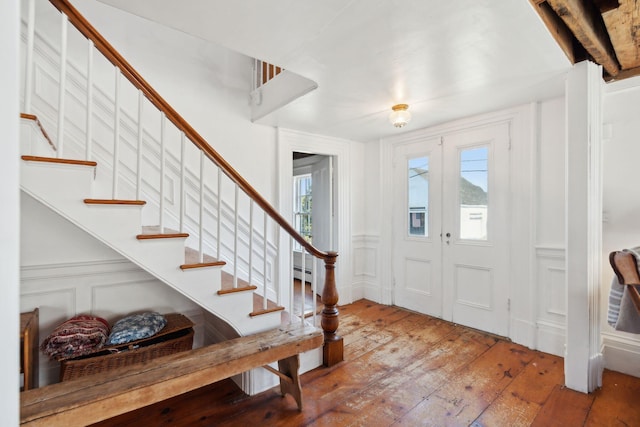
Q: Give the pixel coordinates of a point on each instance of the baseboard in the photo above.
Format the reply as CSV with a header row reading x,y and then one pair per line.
x,y
366,290
523,332
621,353
551,338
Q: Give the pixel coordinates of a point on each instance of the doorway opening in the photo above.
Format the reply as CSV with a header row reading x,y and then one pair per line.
x,y
313,202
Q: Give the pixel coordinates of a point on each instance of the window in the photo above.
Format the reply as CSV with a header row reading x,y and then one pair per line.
x,y
474,193
302,205
418,196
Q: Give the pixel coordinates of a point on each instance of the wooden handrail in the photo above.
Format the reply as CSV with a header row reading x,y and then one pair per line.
x,y
333,346
113,56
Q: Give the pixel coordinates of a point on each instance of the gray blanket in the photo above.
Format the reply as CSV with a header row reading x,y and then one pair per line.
x,y
622,314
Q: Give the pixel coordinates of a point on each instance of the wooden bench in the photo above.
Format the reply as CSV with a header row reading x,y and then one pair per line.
x,y
98,397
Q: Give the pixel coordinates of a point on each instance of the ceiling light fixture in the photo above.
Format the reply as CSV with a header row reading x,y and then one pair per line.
x,y
400,116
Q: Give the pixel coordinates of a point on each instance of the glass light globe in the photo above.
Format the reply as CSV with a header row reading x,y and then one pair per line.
x,y
400,116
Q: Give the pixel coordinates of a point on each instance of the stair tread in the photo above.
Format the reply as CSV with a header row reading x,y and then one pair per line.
x,y
192,260
59,160
226,284
258,303
114,202
35,119
260,311
155,232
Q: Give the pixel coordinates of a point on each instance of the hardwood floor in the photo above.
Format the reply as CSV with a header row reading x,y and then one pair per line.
x,y
406,369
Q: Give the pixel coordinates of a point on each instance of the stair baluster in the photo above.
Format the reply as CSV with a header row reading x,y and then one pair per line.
x,y
116,136
62,87
31,35
89,106
140,144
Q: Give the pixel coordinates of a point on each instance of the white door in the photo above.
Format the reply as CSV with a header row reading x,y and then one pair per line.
x,y
322,212
456,266
475,251
417,225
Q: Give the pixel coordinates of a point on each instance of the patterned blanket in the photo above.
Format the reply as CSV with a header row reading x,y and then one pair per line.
x,y
80,335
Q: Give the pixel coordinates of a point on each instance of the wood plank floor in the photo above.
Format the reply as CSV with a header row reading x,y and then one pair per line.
x,y
406,369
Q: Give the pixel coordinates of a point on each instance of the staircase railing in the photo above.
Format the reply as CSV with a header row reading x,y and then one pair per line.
x,y
146,94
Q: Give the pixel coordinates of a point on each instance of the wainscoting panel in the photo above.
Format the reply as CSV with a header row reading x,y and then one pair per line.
x,y
551,310
366,282
109,289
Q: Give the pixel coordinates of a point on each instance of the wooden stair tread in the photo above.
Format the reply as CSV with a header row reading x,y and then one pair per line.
x,y
60,161
155,232
192,260
162,236
258,303
255,313
114,202
226,285
35,119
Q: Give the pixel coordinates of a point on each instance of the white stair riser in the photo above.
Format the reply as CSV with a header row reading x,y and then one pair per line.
x,y
33,142
57,183
209,277
110,222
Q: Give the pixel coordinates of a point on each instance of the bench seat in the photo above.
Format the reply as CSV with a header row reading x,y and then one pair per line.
x,y
98,397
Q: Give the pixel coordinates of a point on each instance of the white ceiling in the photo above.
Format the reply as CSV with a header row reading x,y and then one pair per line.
x,y
446,59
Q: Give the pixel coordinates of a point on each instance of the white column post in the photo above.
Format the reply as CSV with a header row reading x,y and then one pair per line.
x,y
583,359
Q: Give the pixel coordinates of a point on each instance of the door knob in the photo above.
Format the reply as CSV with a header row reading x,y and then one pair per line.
x,y
448,235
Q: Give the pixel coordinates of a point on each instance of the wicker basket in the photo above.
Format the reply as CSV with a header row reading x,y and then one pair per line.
x,y
175,337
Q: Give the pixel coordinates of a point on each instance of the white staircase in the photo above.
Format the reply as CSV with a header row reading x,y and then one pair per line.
x,y
126,168
67,188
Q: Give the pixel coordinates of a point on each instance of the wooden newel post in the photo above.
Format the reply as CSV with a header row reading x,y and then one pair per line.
x,y
333,345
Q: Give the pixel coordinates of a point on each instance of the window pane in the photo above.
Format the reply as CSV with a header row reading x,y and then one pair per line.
x,y
302,206
418,191
474,182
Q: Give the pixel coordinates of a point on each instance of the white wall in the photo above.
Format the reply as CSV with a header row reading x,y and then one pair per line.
x,y
65,271
621,207
550,292
10,216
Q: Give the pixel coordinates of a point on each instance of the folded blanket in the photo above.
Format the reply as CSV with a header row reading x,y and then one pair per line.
x,y
75,337
622,314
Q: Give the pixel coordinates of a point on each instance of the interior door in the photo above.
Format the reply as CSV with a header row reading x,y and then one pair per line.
x,y
450,255
322,212
475,228
417,224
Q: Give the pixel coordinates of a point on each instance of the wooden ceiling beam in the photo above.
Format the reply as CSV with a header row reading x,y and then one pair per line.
x,y
559,31
606,5
585,21
624,74
623,25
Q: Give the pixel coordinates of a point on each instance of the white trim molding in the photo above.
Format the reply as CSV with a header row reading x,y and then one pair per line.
x,y
621,353
583,360
289,141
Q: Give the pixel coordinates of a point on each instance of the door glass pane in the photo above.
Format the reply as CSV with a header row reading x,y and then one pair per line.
x,y
473,200
418,191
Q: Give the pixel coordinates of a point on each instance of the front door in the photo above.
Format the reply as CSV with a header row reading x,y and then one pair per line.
x,y
456,265
417,226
